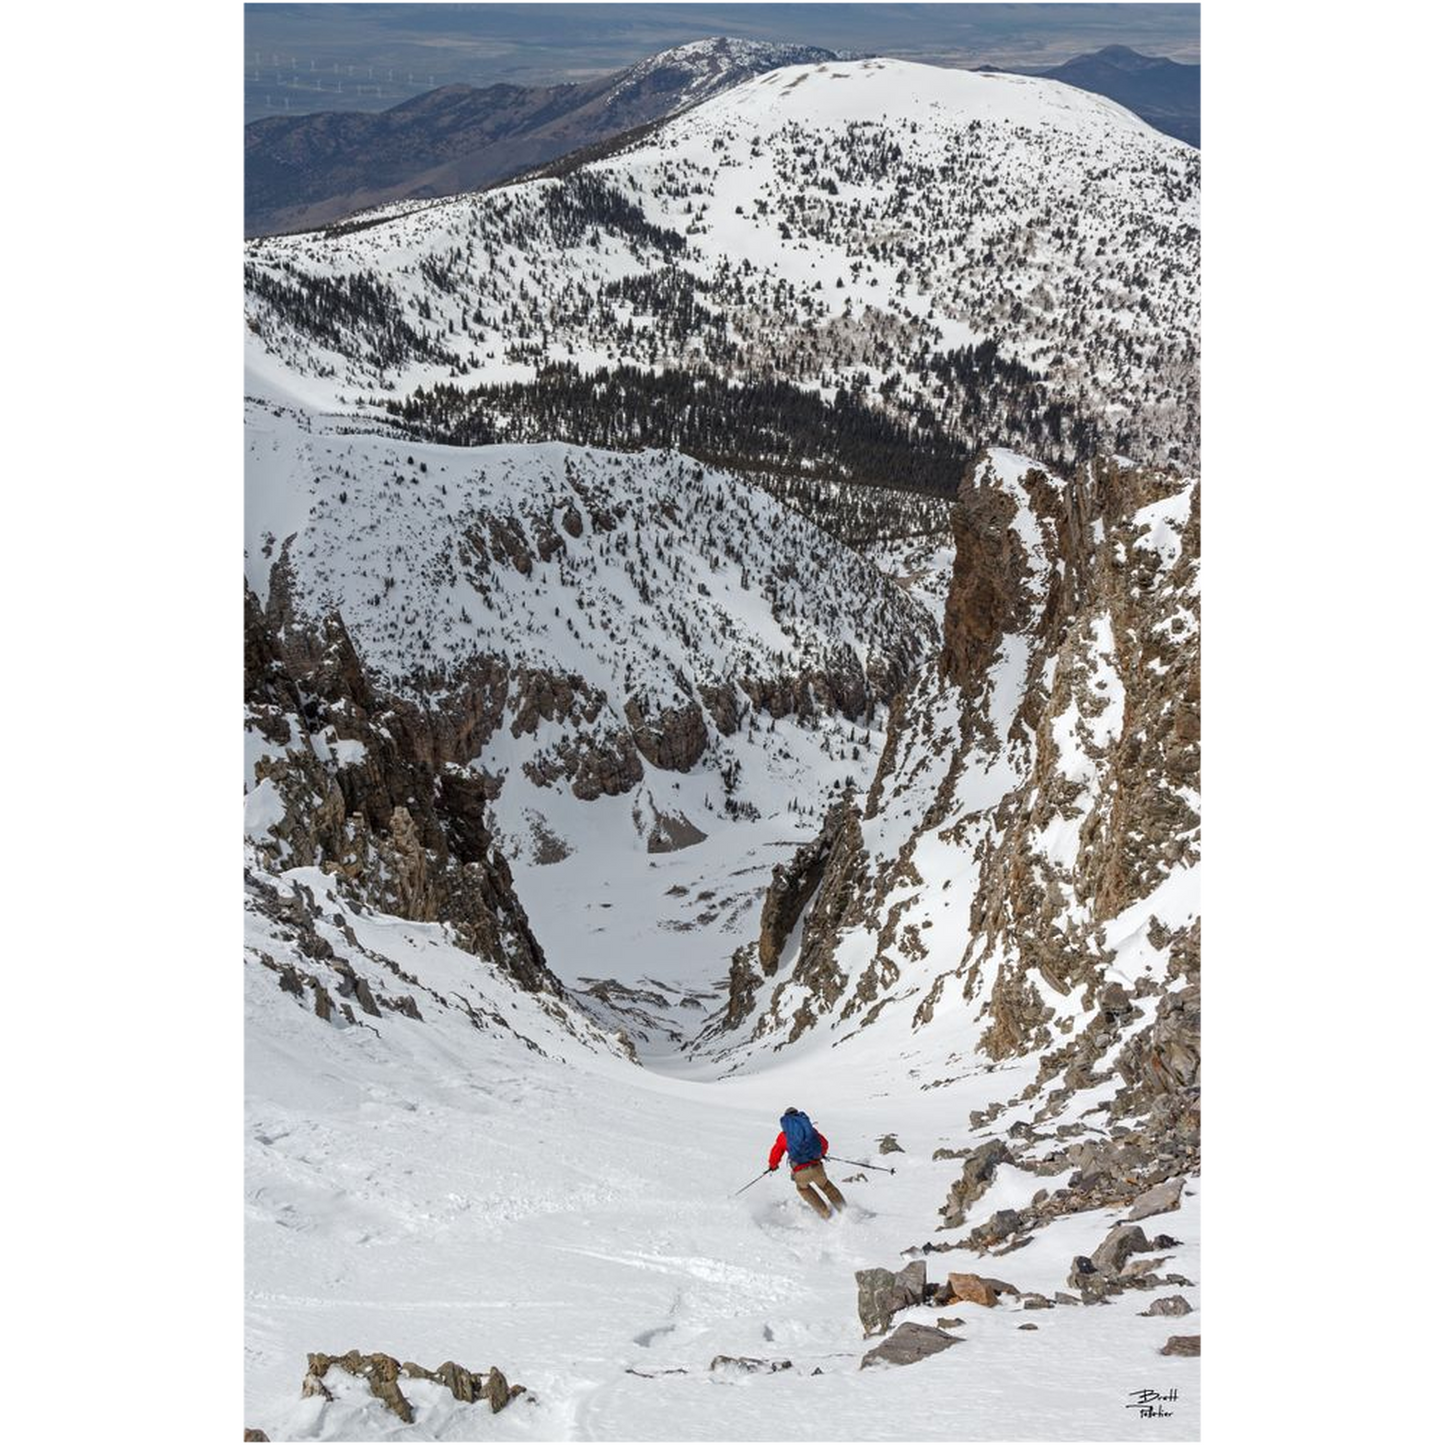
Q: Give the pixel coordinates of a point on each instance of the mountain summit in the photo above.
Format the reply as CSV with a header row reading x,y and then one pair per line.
x,y
933,257
703,68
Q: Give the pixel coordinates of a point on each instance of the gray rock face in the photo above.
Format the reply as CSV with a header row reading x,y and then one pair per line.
x,y
1181,1345
673,740
408,834
977,1174
792,888
1159,1200
883,1292
908,1344
996,1228
1121,1241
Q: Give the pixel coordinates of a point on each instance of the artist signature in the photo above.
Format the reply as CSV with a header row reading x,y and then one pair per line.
x,y
1150,1403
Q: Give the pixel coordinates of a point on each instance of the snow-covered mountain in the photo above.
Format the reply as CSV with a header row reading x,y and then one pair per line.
x,y
700,69
572,749
303,171
627,655
596,620
929,258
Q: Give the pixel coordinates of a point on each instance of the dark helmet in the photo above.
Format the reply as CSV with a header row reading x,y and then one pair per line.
x,y
789,1110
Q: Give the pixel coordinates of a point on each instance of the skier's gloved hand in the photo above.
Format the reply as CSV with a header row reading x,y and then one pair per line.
x,y
772,1169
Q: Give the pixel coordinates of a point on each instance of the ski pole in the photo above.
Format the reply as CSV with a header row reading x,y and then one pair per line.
x,y
751,1182
834,1158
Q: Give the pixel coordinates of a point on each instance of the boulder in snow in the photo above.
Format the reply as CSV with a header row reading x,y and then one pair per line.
x,y
1181,1345
883,1292
908,1344
1158,1200
996,1228
976,1289
1121,1241
1174,1304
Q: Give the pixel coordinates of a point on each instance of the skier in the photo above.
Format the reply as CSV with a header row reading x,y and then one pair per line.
x,y
806,1148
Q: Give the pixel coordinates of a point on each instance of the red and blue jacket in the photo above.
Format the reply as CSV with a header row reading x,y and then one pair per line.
x,y
781,1148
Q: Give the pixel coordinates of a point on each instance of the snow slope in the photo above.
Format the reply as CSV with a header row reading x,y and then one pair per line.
x,y
484,1178
439,1193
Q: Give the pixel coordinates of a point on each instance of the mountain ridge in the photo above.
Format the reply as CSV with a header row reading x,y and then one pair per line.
x,y
307,171
901,227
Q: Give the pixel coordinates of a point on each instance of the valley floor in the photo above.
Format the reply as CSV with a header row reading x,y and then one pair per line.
x,y
445,1197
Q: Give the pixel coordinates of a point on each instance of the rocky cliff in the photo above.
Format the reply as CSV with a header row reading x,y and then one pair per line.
x,y
1023,872
555,625
342,779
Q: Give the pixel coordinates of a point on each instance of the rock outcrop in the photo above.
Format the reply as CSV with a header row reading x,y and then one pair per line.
x,y
582,618
1025,861
344,786
882,1293
748,1365
384,1375
792,888
977,1175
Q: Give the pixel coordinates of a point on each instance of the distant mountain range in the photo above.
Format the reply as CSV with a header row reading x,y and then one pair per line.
x,y
304,171
1163,92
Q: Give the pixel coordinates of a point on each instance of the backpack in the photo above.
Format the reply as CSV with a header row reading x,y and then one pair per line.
x,y
804,1146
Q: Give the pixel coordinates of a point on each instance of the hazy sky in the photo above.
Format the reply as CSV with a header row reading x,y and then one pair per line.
x,y
366,57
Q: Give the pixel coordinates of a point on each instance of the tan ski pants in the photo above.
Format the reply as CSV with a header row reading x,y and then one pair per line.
x,y
813,1184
